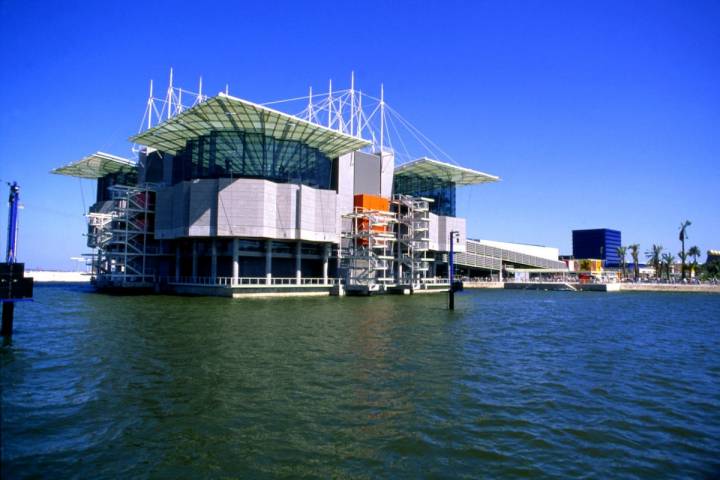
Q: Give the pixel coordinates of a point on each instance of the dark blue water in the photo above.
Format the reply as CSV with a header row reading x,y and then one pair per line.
x,y
513,384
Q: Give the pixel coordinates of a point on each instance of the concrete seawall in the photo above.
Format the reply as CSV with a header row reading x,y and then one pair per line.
x,y
671,287
595,287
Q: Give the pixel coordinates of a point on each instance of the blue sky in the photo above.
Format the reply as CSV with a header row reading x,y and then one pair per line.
x,y
594,114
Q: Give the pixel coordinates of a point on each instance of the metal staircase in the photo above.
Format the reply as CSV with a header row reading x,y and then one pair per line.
x,y
413,230
368,260
121,230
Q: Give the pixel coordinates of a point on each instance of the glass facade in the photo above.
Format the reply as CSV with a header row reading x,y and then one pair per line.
x,y
238,154
129,178
443,192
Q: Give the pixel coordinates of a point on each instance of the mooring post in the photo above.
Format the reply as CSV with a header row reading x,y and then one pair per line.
x,y
13,285
8,311
451,271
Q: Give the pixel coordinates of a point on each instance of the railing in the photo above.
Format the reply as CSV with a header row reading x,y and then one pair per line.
x,y
255,281
435,281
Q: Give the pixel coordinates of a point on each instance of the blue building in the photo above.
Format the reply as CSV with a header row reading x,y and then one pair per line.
x,y
597,243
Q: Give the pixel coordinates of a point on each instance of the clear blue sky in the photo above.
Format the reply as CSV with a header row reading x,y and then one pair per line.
x,y
599,114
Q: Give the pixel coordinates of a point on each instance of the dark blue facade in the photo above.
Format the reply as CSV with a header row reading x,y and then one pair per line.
x,y
598,243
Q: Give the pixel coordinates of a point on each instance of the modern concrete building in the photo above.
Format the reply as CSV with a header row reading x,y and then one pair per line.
x,y
229,197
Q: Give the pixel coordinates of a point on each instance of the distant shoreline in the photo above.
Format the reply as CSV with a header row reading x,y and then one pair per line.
x,y
45,276
611,287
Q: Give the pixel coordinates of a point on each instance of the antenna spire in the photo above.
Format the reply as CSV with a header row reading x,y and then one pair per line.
x,y
199,97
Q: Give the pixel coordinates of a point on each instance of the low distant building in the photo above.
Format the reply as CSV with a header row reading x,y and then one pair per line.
x,y
483,258
597,244
713,256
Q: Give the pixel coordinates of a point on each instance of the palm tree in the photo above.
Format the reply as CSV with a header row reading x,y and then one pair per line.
x,y
683,258
635,254
694,252
655,258
683,235
622,251
668,259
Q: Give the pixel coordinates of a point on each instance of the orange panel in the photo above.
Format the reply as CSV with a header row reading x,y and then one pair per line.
x,y
371,202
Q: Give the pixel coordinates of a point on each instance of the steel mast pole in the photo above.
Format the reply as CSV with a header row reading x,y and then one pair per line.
x,y
8,307
10,255
451,271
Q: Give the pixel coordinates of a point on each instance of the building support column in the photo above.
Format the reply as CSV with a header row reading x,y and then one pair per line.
x,y
177,262
194,260
298,262
213,260
268,262
236,260
326,259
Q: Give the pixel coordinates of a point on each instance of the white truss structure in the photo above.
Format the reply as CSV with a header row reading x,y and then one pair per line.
x,y
350,111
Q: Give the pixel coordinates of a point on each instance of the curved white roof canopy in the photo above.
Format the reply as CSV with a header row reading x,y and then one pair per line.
x,y
96,165
224,113
429,168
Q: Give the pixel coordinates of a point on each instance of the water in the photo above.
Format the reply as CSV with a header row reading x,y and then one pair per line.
x,y
513,384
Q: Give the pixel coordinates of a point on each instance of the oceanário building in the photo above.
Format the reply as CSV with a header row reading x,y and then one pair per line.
x,y
229,197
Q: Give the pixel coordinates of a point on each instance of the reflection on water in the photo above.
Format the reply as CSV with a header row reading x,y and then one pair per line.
x,y
511,384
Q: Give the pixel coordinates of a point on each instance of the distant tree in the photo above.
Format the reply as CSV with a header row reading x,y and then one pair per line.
x,y
712,268
654,256
668,259
585,265
622,252
635,254
683,235
694,252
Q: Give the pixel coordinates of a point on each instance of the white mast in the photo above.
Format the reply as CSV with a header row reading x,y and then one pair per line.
x,y
330,104
170,94
352,101
227,89
199,97
382,118
310,106
150,106
358,132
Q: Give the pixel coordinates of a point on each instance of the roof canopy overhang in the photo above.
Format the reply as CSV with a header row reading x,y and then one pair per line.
x,y
229,113
429,168
97,165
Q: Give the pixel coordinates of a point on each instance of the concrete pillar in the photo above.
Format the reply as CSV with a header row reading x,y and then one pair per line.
x,y
213,260
326,259
236,260
268,262
298,262
177,262
194,259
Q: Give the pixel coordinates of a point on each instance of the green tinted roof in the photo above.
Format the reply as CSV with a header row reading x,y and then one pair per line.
x,y
96,165
429,168
229,113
